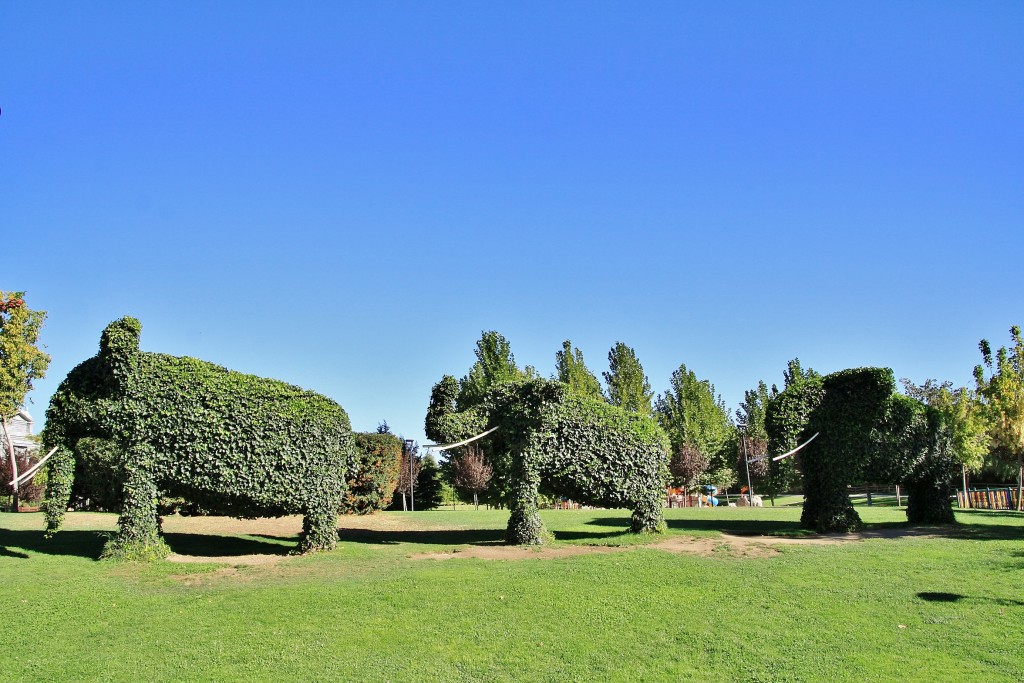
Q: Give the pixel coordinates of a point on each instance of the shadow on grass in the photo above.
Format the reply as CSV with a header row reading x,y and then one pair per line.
x,y
739,527
1012,514
4,552
212,545
929,596
431,537
89,544
578,535
86,544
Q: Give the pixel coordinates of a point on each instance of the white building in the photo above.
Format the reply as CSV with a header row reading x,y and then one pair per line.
x,y
20,429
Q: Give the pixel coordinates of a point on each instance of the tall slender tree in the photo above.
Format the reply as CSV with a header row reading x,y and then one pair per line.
x,y
428,484
1002,392
752,409
494,364
573,371
627,384
22,362
694,416
690,412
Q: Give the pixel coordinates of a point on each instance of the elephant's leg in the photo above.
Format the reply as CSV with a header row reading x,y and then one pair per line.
x,y
525,526
827,507
320,521
138,537
648,516
929,502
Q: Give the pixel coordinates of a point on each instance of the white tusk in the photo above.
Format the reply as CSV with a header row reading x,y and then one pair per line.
x,y
786,455
32,470
445,447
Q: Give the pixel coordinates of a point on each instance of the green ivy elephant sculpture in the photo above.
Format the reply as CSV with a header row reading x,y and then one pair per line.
x,y
232,443
546,439
867,434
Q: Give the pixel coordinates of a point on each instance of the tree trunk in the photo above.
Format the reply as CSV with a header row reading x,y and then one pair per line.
x,y
405,506
1020,479
967,495
14,465
476,501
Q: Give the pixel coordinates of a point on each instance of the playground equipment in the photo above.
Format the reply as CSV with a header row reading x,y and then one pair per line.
x,y
709,498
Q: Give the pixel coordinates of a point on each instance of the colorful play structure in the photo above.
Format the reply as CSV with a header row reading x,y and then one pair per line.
x,y
708,497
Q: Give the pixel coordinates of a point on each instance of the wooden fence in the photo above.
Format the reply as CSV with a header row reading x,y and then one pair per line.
x,y
989,498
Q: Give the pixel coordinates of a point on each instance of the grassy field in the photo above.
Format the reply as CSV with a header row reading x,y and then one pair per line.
x,y
947,605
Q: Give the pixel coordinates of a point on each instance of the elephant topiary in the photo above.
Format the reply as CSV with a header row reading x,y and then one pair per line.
x,y
545,438
230,442
867,434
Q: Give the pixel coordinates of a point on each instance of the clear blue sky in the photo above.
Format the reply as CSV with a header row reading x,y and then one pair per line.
x,y
343,195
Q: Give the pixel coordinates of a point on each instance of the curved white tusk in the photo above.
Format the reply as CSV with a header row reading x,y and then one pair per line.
x,y
786,455
30,472
445,447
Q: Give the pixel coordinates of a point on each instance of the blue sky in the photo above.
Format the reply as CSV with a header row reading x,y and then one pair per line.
x,y
344,195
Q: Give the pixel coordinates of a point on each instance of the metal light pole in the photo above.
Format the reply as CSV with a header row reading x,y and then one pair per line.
x,y
750,486
408,451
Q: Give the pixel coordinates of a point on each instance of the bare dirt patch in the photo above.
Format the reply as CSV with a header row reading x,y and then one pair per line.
x,y
517,552
235,560
282,527
705,546
205,579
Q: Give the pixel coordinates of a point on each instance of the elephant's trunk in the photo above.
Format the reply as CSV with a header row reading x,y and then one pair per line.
x,y
61,476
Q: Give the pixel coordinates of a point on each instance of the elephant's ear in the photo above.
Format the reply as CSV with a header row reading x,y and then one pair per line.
x,y
119,347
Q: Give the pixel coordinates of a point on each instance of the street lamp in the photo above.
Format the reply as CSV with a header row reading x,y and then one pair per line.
x,y
408,451
750,487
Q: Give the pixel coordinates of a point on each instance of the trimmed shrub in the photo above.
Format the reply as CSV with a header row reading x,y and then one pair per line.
x,y
374,476
229,442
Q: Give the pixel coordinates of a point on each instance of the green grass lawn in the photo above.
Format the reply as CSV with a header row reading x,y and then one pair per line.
x,y
945,608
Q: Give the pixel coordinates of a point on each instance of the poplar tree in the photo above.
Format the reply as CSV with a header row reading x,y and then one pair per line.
x,y
494,364
693,415
627,384
573,371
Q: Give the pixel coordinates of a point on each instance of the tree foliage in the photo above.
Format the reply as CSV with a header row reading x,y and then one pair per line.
x,y
687,466
429,494
22,362
786,415
471,473
572,371
494,364
374,475
628,387
965,417
691,413
230,442
1002,393
408,475
752,411
756,449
